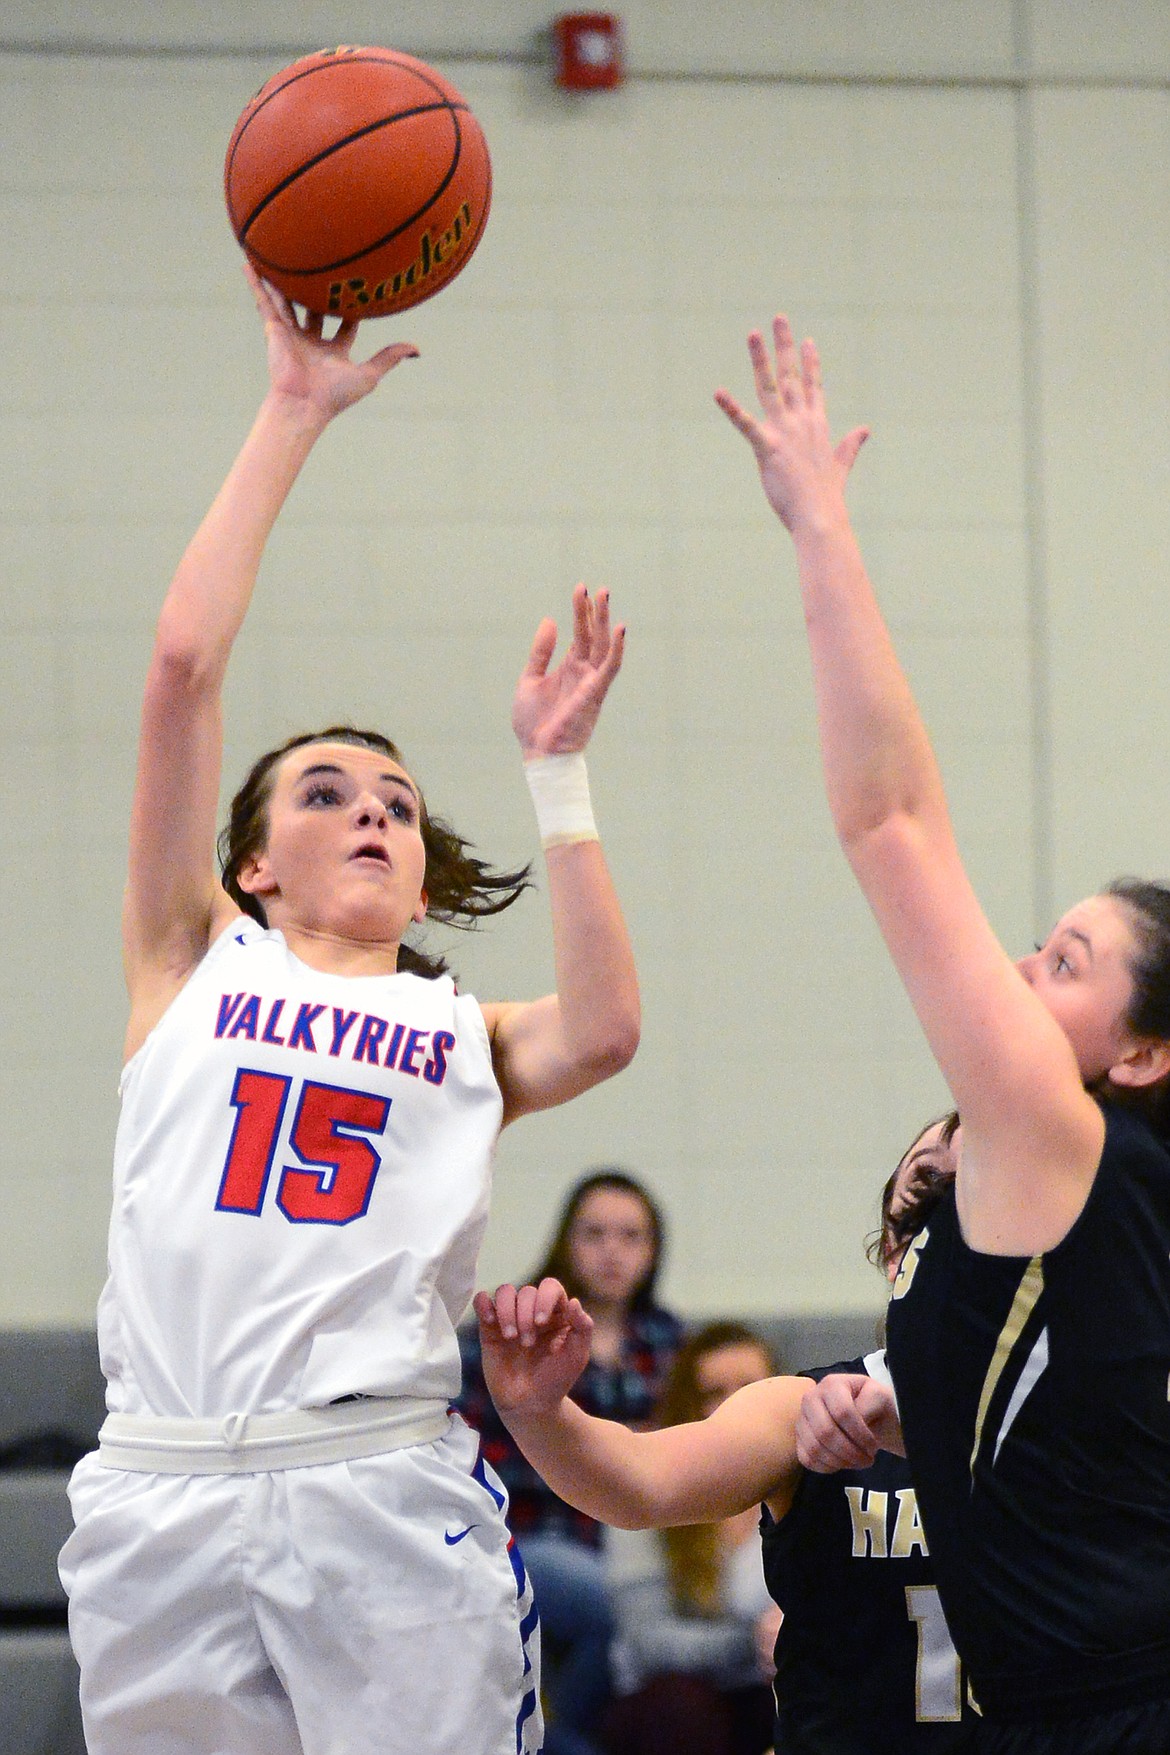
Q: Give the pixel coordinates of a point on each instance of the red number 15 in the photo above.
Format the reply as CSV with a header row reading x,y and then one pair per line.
x,y
325,1135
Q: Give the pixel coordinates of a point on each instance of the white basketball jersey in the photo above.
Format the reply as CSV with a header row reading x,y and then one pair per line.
x,y
301,1183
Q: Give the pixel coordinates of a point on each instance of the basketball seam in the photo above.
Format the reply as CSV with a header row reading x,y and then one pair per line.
x,y
366,249
421,73
336,146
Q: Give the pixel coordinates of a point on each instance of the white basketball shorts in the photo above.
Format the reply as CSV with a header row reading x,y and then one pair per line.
x,y
369,1607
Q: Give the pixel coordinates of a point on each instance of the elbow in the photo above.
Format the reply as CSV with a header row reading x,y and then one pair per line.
x,y
618,1046
174,668
626,1039
191,649
886,841
638,1510
181,667
601,1040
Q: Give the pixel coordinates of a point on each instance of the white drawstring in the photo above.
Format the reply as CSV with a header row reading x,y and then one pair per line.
x,y
235,1429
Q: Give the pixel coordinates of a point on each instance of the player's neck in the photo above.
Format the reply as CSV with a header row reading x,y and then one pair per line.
x,y
335,954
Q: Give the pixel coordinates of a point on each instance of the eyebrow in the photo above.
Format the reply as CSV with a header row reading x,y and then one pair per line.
x,y
1081,938
334,768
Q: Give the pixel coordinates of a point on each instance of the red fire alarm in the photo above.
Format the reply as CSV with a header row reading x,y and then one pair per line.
x,y
589,50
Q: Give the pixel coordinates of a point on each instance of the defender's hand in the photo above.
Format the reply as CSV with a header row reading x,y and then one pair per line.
x,y
802,471
844,1421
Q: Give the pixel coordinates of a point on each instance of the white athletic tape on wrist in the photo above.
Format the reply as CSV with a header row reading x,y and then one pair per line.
x,y
560,792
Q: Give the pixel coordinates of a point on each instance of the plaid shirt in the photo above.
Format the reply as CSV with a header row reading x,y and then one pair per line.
x,y
626,1391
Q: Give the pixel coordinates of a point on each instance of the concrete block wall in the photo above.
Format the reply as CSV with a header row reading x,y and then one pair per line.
x,y
967,207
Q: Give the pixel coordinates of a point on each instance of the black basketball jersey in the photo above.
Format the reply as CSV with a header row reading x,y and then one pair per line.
x,y
1033,1395
864,1660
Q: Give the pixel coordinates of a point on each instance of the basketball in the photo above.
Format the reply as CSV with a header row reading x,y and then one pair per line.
x,y
358,182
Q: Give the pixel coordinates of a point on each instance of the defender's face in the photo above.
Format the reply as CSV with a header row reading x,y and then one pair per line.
x,y
1083,975
344,851
929,1158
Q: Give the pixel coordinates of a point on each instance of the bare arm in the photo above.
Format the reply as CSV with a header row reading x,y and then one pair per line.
x,y
1026,1118
549,1050
535,1345
173,903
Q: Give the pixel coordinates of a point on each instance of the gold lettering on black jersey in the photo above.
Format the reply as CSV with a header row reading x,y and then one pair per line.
x,y
908,1531
877,1536
868,1511
909,1263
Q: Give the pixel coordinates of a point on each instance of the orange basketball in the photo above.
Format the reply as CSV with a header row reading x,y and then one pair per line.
x,y
358,182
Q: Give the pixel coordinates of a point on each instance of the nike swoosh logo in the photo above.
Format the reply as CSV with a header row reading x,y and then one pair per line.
x,y
459,1535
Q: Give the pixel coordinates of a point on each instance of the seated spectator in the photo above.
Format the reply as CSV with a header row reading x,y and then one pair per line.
x,y
692,1657
607,1250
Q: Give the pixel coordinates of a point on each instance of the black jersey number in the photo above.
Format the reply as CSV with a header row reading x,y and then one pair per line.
x,y
326,1136
938,1696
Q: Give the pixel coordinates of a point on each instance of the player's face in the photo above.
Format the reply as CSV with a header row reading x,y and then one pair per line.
x,y
344,851
719,1373
1083,974
930,1157
611,1245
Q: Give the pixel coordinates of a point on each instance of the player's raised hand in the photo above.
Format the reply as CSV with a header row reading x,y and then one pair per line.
x,y
306,367
844,1421
802,471
535,1345
554,711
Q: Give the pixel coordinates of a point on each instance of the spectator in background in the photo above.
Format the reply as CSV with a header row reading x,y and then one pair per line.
x,y
865,1663
606,1250
692,1657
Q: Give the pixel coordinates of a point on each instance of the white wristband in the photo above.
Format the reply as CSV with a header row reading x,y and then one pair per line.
x,y
560,791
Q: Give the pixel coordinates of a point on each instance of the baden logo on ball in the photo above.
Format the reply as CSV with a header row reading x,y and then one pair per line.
x,y
358,182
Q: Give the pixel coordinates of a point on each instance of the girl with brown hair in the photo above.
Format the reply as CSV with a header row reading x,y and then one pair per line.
x,y
865,1663
695,1627
287,1544
606,1248
1029,1328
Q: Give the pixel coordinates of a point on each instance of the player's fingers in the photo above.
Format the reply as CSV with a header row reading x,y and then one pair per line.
x,y
344,335
845,1403
272,305
826,1451
833,1422
485,1309
593,686
612,662
525,1314
388,357
543,645
280,306
784,345
601,632
810,371
850,445
583,622
552,1301
740,418
506,1311
763,371
259,290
